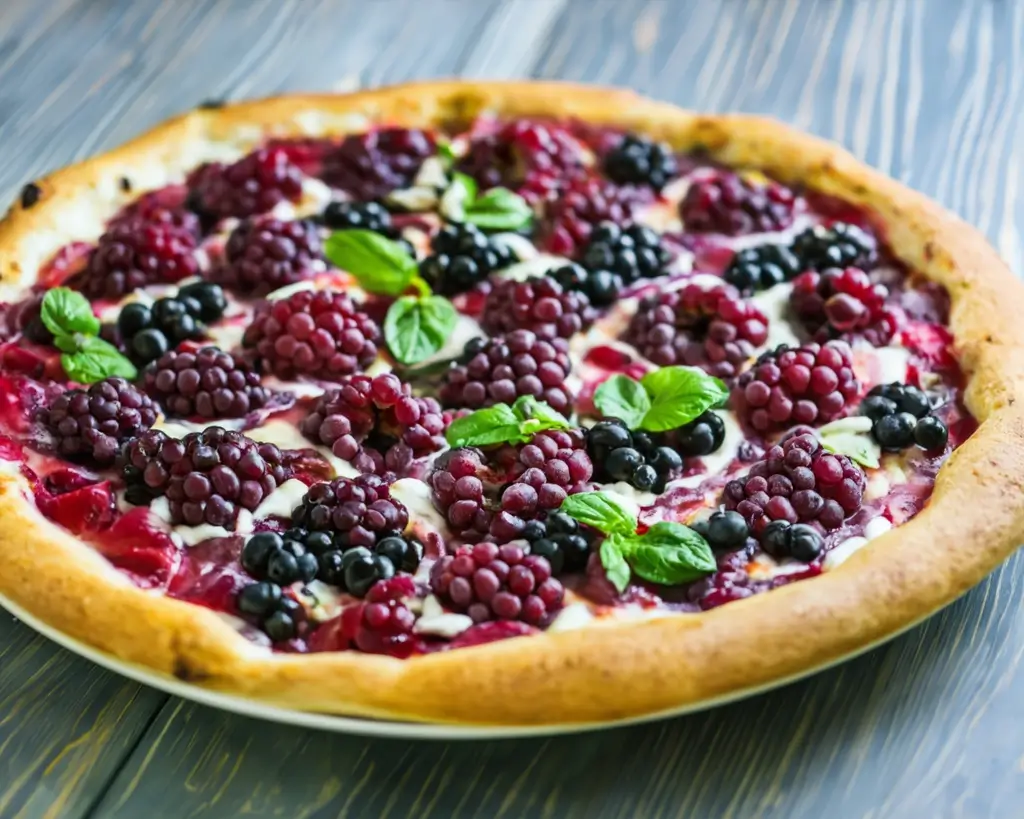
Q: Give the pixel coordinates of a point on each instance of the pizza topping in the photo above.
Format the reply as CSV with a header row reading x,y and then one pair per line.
x,y
208,383
725,202
162,206
843,303
279,615
841,245
586,203
538,304
250,186
149,330
900,417
357,511
560,540
782,539
602,287
463,257
631,253
637,160
371,216
384,623
265,254
761,267
282,560
632,457
723,530
369,166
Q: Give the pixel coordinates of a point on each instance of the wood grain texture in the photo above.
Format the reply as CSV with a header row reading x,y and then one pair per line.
x,y
931,725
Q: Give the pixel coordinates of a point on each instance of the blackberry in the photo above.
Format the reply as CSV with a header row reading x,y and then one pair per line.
x,y
280,617
539,304
638,160
369,166
208,383
280,559
371,216
713,329
601,287
726,203
632,457
631,253
209,298
376,423
723,530
135,253
782,539
560,540
499,370
797,482
148,331
463,256
702,436
587,202
900,416
356,511
811,384
320,334
894,432
207,477
252,185
843,303
92,424
761,267
840,245
490,582
263,255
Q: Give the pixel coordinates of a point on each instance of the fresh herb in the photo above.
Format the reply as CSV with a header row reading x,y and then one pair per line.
x,y
85,357
504,424
495,209
379,264
850,437
416,327
663,399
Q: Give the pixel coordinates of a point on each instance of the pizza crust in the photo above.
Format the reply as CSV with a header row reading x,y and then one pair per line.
x,y
599,673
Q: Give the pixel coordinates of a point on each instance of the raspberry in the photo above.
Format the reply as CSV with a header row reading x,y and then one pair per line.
x,y
727,203
539,304
135,253
369,166
263,255
252,185
209,383
812,384
709,328
841,245
92,424
843,303
499,370
586,202
635,252
164,206
376,423
306,153
490,582
463,256
357,511
797,482
761,267
384,620
638,160
320,334
530,157
206,476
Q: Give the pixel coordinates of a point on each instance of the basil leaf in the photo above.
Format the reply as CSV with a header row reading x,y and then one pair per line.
x,y
65,311
529,408
446,153
678,395
69,344
483,427
499,209
600,510
379,265
415,328
670,554
95,360
858,448
622,397
458,197
616,568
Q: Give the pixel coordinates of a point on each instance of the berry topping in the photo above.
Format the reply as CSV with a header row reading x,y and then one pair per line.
x,y
263,255
164,206
376,423
148,331
209,383
252,185
631,253
385,621
560,540
723,530
541,305
601,287
637,160
133,254
463,256
812,384
841,245
727,203
499,370
371,165
900,416
363,216
709,328
92,424
357,511
799,541
761,267
207,476
632,457
843,303
585,204
279,616
490,582
320,334
282,560
797,482
702,436
931,433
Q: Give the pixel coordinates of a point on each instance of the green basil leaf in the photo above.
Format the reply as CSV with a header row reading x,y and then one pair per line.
x,y
446,153
380,265
65,312
858,448
492,425
499,209
678,395
69,344
458,197
601,510
670,554
528,409
622,397
415,328
616,568
95,360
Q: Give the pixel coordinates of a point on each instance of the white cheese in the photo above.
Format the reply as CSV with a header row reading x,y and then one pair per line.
x,y
537,265
718,460
892,364
774,303
573,616
282,500
191,535
415,495
841,553
435,620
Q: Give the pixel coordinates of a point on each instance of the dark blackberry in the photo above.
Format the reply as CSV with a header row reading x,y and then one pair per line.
x,y
207,477
586,203
843,303
782,539
209,298
263,255
320,334
208,383
463,256
931,434
905,398
632,253
724,202
371,216
539,304
638,160
501,369
761,268
601,287
900,416
369,166
148,331
702,436
280,617
490,582
723,530
632,457
282,560
252,185
357,511
92,424
560,540
894,432
839,245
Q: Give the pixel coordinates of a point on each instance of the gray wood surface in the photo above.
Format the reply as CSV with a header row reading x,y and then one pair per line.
x,y
931,725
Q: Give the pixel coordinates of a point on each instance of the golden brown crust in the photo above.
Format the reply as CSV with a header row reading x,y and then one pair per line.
x,y
603,673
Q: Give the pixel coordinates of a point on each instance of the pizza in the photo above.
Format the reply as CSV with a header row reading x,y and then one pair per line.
x,y
497,403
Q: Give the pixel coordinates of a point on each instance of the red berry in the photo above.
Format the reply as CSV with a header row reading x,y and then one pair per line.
x,y
586,202
263,255
843,303
537,304
209,383
252,185
369,166
727,203
359,510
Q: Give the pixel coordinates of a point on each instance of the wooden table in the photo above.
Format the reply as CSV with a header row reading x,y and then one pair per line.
x,y
931,725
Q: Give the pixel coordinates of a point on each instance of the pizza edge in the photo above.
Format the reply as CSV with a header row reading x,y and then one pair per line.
x,y
602,672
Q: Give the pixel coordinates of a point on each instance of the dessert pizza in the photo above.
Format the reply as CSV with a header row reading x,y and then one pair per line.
x,y
497,403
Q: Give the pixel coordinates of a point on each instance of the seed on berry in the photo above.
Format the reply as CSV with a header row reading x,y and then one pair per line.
x,y
894,432
931,434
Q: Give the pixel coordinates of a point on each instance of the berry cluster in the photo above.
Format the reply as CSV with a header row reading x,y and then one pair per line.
x,y
208,383
632,457
369,166
371,216
627,254
281,617
262,255
540,305
900,415
357,511
637,160
843,303
384,623
164,206
463,256
601,287
727,203
586,203
840,245
701,436
761,267
724,530
560,540
800,541
149,331
252,185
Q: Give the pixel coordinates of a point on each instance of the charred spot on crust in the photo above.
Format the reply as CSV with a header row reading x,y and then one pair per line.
x,y
30,194
126,184
212,104
184,672
929,251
